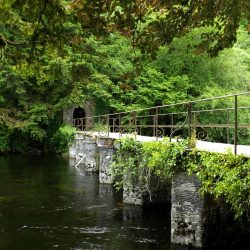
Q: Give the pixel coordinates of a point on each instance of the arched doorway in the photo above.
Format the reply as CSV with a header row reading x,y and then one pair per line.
x,y
79,120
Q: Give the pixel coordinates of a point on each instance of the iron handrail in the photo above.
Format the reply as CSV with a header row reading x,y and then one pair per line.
x,y
133,120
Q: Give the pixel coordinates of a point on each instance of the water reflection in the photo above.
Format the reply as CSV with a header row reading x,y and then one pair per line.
x,y
47,204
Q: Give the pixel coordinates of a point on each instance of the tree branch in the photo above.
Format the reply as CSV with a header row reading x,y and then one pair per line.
x,y
39,20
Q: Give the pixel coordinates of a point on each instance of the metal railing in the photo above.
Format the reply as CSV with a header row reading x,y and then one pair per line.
x,y
222,119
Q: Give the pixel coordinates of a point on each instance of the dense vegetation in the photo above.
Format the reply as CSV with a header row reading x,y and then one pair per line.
x,y
56,53
125,55
225,176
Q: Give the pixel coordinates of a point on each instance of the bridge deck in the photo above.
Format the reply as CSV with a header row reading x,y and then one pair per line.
x,y
201,145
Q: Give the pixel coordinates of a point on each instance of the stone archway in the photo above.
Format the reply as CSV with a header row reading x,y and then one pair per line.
x,y
88,112
79,118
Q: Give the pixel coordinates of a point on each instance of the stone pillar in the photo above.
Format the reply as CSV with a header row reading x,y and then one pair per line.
x,y
158,192
187,211
201,221
85,145
90,151
133,193
106,152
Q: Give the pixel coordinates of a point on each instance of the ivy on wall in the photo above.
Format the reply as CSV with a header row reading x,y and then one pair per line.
x,y
225,176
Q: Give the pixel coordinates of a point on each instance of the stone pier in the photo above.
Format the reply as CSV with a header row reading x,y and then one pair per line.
x,y
106,152
187,211
200,221
85,146
135,193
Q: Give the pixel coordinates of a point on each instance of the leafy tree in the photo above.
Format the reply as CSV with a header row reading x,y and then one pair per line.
x,y
158,22
151,23
58,53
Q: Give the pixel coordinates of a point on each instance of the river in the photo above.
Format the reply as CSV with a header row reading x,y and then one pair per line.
x,y
47,204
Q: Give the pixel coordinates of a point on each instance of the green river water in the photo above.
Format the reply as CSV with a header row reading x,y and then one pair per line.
x,y
47,204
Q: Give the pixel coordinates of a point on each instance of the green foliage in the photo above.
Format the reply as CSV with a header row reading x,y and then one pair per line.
x,y
66,58
100,127
128,161
20,140
164,157
150,158
4,139
63,138
226,73
158,22
225,176
150,23
70,52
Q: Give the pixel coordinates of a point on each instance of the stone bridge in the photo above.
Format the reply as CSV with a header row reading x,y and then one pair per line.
x,y
196,220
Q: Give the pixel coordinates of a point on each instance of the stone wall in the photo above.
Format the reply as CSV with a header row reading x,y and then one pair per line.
x,y
106,152
89,108
187,210
97,152
85,146
200,221
136,193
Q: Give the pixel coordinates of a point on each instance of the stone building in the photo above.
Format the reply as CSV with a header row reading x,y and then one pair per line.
x,y
80,116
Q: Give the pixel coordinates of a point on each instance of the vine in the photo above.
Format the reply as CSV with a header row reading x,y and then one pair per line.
x,y
140,162
225,176
127,161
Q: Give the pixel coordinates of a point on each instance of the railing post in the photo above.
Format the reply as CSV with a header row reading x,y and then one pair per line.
x,y
156,123
228,121
235,123
113,129
108,124
120,132
195,122
189,120
141,125
172,123
85,124
135,122
82,124
79,123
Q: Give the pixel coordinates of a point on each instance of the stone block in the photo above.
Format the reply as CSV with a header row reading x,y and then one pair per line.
x,y
187,211
106,152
